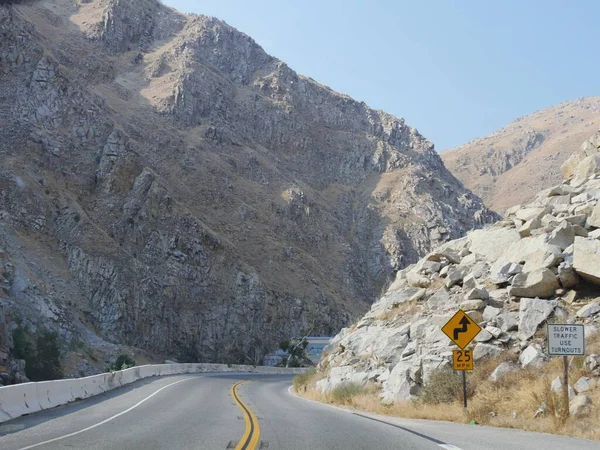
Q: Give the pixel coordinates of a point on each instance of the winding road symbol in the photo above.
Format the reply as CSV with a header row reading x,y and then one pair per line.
x,y
465,322
461,329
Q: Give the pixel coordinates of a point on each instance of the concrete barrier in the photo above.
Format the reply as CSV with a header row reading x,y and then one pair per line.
x,y
28,398
18,400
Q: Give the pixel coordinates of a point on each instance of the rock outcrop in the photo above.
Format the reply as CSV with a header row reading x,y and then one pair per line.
x,y
510,282
186,193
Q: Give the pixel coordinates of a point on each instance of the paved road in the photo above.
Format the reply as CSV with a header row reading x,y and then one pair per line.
x,y
218,412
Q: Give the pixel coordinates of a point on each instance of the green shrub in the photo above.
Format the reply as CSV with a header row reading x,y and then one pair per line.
x,y
40,352
22,346
444,386
123,362
345,392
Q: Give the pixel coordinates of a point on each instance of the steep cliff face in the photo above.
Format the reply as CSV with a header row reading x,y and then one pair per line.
x,y
202,196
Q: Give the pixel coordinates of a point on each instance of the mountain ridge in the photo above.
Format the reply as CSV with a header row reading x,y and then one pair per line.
x,y
510,165
205,198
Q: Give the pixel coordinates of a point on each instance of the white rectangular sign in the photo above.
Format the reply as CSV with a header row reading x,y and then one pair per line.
x,y
566,339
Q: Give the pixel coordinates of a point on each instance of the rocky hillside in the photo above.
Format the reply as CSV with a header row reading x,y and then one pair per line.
x,y
511,165
166,184
541,263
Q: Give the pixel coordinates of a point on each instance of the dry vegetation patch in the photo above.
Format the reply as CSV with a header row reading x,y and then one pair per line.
x,y
510,402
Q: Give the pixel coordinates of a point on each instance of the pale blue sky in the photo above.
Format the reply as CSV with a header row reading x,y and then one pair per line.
x,y
455,69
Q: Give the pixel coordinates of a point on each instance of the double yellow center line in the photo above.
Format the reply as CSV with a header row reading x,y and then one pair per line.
x,y
251,435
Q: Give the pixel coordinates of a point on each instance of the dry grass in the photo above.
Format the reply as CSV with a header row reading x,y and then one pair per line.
x,y
400,310
510,402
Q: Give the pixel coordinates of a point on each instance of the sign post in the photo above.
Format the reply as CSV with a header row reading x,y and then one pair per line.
x,y
566,340
461,330
462,360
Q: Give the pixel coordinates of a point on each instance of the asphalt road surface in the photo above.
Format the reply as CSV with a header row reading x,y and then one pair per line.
x,y
245,412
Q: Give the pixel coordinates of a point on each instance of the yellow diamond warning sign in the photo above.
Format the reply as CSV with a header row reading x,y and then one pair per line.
x,y
462,359
461,329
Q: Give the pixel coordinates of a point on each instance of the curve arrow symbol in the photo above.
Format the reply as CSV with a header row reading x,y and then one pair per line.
x,y
465,322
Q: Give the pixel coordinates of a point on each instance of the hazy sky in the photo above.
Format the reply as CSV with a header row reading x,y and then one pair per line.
x,y
455,69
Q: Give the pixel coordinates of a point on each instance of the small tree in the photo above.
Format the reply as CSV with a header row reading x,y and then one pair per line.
x,y
44,363
296,349
22,346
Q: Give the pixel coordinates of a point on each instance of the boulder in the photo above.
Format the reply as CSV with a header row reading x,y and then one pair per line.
x,y
570,297
526,214
586,259
549,221
498,297
491,243
580,405
417,280
578,219
484,336
501,271
417,329
539,283
569,167
519,252
584,198
469,260
561,189
584,384
440,300
588,310
562,236
502,370
560,200
491,312
477,294
486,351
447,255
546,257
410,349
456,275
386,343
430,267
398,386
472,305
470,282
336,376
567,276
592,363
532,313
508,321
532,356
594,234
594,219
588,167
432,363
494,331
557,387
532,224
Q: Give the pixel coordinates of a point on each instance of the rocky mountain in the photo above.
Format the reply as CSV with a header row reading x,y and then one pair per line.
x,y
541,263
166,184
511,165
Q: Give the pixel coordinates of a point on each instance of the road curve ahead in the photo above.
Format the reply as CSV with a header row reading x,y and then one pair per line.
x,y
245,412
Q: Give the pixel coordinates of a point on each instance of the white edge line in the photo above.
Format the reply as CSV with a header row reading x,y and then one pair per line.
x,y
350,411
106,420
